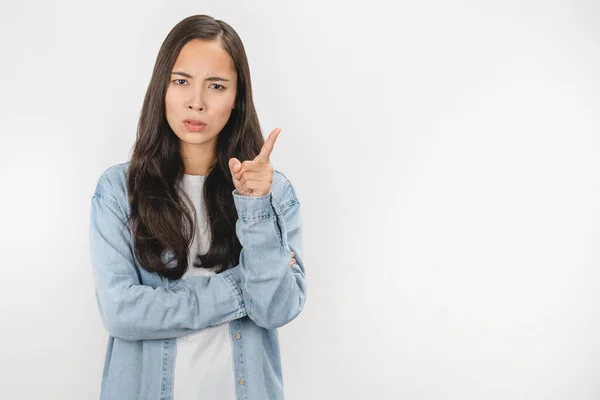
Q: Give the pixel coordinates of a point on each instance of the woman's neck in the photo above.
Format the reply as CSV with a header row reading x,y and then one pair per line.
x,y
198,159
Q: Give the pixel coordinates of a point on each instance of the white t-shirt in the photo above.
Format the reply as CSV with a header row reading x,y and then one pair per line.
x,y
204,366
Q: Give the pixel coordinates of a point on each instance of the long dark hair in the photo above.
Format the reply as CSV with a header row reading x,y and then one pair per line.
x,y
161,222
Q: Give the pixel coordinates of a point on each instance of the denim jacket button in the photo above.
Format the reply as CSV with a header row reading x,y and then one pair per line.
x,y
237,336
241,381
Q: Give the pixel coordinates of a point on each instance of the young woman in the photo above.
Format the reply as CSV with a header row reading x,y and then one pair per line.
x,y
191,239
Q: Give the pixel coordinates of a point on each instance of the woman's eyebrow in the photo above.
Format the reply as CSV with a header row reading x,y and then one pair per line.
x,y
210,78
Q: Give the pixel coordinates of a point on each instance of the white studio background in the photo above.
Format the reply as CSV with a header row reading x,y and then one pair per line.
x,y
446,155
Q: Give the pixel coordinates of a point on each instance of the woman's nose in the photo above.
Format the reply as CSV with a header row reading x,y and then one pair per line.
x,y
196,106
197,102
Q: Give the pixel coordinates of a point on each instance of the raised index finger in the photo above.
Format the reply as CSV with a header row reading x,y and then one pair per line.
x,y
267,148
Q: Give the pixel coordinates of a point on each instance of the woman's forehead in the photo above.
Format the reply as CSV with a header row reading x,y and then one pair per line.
x,y
204,58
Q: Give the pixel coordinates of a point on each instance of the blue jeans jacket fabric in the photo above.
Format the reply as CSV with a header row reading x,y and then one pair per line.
x,y
144,313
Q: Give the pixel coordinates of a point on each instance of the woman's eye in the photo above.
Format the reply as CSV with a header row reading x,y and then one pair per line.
x,y
220,87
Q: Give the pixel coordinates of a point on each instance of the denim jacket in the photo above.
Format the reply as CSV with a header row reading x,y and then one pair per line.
x,y
144,313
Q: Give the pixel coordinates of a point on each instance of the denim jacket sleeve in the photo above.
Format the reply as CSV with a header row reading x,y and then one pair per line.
x,y
269,229
133,311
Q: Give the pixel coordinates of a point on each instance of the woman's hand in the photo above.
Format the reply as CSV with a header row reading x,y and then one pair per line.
x,y
254,177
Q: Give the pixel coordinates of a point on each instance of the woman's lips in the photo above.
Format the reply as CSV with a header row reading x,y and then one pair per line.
x,y
194,127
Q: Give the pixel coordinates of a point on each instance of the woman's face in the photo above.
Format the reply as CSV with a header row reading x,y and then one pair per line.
x,y
202,86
